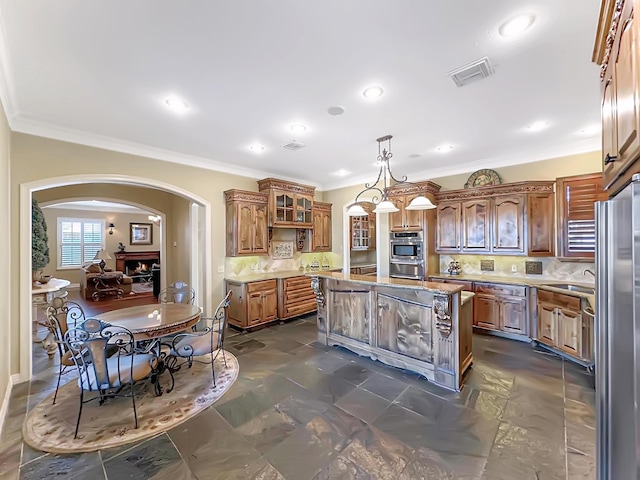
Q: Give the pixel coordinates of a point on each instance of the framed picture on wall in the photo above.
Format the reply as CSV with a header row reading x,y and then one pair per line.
x,y
141,233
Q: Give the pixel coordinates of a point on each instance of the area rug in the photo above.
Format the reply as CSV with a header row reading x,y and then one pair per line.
x,y
50,427
141,287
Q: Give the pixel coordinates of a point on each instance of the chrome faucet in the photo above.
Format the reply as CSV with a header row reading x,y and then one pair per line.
x,y
586,270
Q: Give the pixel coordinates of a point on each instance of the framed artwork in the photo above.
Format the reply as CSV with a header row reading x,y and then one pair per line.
x,y
482,178
282,250
141,233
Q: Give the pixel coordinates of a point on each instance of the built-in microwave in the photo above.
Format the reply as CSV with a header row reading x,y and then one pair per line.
x,y
406,247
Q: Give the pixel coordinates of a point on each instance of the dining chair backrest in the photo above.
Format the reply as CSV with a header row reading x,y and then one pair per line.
x,y
178,292
219,319
62,315
91,343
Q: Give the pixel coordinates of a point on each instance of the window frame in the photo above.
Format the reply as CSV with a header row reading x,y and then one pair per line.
x,y
562,220
60,221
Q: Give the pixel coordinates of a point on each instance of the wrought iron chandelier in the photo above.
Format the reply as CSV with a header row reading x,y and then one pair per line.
x,y
380,196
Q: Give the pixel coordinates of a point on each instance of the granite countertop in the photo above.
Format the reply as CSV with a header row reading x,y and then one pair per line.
x,y
542,283
442,288
360,265
256,277
466,296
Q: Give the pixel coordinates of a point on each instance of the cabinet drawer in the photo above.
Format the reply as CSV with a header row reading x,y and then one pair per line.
x,y
297,282
300,309
290,297
500,289
559,299
368,270
261,286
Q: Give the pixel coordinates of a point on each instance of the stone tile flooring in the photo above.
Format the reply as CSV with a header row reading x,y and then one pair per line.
x,y
301,410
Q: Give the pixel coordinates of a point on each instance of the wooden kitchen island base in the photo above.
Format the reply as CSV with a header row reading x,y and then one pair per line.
x,y
419,326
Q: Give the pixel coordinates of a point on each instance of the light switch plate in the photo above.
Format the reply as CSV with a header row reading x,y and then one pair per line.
x,y
221,269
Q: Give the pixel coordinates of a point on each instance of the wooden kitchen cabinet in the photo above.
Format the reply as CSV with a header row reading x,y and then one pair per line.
x,y
547,324
410,220
252,303
560,323
321,235
501,307
508,222
246,223
290,204
296,297
617,50
448,229
570,331
476,226
362,231
507,219
486,311
513,315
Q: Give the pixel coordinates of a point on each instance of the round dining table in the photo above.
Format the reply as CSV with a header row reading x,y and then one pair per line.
x,y
148,322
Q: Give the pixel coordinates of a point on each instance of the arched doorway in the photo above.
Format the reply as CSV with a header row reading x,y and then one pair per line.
x,y
200,228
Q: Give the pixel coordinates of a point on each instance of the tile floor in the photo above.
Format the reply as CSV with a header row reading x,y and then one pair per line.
x,y
301,410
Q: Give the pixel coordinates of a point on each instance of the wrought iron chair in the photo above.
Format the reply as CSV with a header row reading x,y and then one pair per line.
x,y
178,292
61,315
107,375
209,341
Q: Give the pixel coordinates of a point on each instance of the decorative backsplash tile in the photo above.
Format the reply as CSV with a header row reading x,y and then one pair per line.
x,y
487,265
238,266
533,268
552,268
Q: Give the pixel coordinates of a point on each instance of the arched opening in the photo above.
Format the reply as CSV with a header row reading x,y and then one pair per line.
x,y
198,221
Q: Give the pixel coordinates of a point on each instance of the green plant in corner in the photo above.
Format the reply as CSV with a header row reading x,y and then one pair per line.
x,y
39,239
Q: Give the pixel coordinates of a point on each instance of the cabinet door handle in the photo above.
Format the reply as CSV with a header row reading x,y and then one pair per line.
x,y
610,159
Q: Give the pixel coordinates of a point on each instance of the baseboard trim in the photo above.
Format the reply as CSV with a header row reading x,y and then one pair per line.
x,y
73,286
5,402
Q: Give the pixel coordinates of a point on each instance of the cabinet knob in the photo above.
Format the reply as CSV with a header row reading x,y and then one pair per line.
x,y
610,159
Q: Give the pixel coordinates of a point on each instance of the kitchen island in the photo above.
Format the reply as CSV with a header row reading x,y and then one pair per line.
x,y
425,327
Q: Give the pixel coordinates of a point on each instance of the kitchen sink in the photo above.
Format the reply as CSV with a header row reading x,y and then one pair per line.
x,y
574,288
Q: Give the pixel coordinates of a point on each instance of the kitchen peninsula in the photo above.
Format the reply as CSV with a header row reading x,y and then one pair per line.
x,y
420,326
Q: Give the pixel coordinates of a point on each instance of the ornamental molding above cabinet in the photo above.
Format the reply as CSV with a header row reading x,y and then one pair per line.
x,y
417,187
492,190
274,183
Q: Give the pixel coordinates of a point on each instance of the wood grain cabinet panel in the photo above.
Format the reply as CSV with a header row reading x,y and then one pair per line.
x,y
448,223
476,226
541,236
508,214
362,231
405,220
246,223
321,235
547,324
290,204
570,331
513,315
487,311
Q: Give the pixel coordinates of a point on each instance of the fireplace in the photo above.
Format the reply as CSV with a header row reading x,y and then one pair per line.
x,y
137,265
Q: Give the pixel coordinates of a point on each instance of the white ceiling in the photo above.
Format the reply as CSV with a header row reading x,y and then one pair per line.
x,y
97,73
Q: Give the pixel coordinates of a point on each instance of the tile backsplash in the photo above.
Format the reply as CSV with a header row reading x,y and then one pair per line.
x,y
552,268
238,266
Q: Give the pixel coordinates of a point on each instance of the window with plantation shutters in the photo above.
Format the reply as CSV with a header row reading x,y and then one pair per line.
x,y
79,239
576,215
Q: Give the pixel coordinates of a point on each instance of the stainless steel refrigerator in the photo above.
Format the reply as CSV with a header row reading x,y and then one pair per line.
x,y
618,335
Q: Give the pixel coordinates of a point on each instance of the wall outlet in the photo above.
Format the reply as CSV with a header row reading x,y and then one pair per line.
x,y
175,244
221,269
514,268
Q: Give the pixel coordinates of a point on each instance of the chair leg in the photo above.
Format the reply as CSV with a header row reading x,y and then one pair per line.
x,y
75,435
135,413
224,358
213,371
55,395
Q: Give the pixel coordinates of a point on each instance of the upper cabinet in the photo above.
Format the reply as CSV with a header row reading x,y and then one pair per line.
x,y
246,223
509,219
362,230
290,204
410,220
321,236
617,50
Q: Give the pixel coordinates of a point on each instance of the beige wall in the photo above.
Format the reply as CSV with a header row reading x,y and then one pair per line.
x,y
179,255
7,317
36,158
120,234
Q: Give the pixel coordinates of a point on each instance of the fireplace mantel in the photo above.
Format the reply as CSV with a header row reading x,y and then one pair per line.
x,y
122,257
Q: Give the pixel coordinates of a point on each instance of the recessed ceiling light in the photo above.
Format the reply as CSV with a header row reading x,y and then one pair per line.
x,y
373,92
342,172
537,126
414,155
444,148
590,130
256,148
298,128
176,104
335,110
516,25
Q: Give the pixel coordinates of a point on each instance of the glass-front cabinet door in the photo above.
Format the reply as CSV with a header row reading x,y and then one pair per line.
x,y
303,209
284,208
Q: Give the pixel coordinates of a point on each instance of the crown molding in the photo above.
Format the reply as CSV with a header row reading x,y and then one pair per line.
x,y
575,148
7,90
24,124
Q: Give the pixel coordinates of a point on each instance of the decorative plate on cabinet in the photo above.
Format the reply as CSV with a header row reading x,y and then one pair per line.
x,y
483,177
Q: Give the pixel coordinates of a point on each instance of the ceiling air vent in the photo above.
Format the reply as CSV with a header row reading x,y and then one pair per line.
x,y
293,145
471,72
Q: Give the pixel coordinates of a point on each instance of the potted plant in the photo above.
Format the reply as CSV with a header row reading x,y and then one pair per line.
x,y
39,240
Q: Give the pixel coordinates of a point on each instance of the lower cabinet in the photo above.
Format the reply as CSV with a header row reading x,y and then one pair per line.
x,y
500,307
265,301
560,322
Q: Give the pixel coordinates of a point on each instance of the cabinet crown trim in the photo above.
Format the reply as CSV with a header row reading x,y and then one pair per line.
x,y
503,189
415,187
274,183
242,195
610,12
322,206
